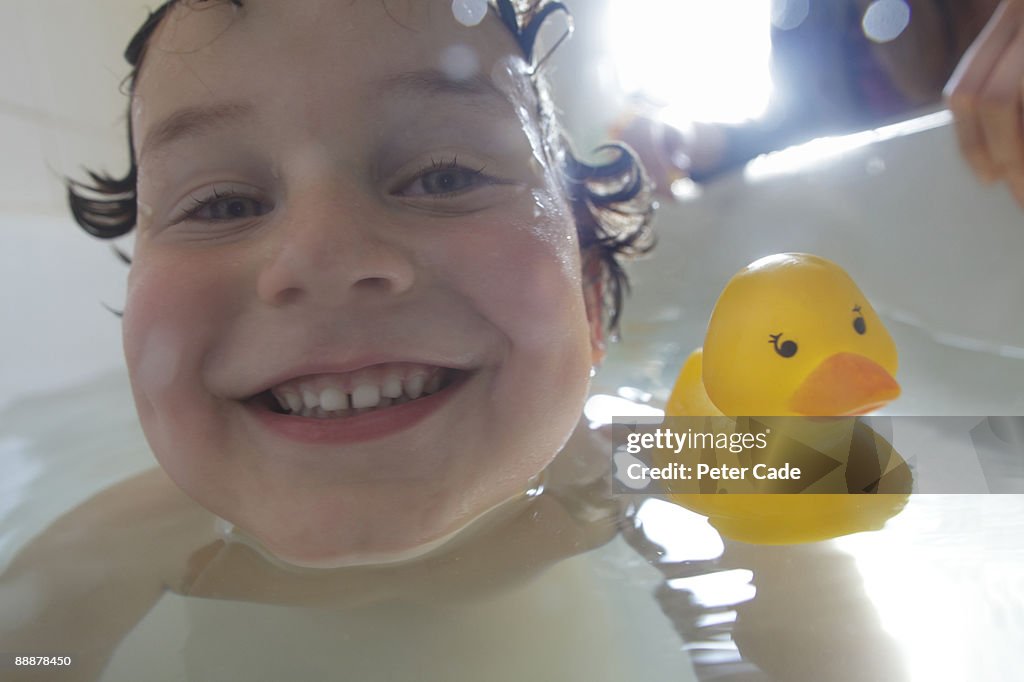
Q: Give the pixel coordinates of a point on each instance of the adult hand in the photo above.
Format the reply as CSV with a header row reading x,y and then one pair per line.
x,y
659,146
669,154
986,96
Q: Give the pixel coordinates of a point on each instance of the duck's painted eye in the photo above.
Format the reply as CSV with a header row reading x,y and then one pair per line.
x,y
859,325
786,349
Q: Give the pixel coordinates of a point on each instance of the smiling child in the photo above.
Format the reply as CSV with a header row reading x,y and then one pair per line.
x,y
369,279
370,283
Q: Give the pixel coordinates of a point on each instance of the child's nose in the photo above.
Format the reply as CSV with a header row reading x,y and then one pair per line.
x,y
328,250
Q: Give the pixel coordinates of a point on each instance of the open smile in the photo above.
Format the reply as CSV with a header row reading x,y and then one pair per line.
x,y
370,403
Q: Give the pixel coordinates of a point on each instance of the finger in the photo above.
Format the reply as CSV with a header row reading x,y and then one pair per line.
x,y
1016,185
965,88
1000,111
674,146
971,140
646,137
981,57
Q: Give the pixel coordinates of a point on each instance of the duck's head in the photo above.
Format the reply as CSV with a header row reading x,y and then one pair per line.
x,y
792,334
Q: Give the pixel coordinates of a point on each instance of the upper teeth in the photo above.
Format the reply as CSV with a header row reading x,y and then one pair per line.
x,y
378,386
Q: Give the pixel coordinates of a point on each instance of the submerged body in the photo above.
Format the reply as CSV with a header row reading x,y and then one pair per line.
x,y
510,585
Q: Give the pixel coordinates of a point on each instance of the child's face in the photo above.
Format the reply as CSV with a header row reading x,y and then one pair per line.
x,y
322,213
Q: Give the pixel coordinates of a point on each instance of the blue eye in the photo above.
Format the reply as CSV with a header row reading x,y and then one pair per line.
x,y
224,207
445,179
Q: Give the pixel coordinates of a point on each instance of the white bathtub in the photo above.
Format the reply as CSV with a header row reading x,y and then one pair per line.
x,y
940,257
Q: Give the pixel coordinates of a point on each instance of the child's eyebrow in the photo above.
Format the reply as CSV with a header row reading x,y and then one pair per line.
x,y
477,90
193,121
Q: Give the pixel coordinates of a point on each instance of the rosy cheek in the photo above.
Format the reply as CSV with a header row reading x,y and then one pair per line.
x,y
168,330
164,328
155,359
536,294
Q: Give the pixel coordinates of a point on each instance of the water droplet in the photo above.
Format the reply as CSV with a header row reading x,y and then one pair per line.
x,y
788,14
469,12
460,62
536,486
685,189
885,20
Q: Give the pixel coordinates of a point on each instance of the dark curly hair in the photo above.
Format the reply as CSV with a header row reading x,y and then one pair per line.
x,y
611,201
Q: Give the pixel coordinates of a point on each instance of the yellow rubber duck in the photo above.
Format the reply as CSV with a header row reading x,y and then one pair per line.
x,y
793,335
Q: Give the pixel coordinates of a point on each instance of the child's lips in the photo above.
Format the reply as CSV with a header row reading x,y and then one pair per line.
x,y
353,424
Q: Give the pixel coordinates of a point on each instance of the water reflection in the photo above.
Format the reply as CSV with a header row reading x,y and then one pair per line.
x,y
946,581
681,534
794,613
804,158
19,472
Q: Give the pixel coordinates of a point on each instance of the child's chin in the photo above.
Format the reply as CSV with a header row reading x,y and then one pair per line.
x,y
326,555
342,558
389,542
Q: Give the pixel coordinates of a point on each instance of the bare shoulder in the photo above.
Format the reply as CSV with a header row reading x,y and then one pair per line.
x,y
86,580
144,520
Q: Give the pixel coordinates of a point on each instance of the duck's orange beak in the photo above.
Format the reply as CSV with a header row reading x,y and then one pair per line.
x,y
844,384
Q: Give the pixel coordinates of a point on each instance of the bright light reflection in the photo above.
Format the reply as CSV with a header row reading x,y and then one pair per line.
x,y
601,410
704,60
20,470
724,588
938,578
818,152
904,599
681,533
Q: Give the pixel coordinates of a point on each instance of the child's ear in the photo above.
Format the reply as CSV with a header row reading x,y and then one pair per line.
x,y
593,296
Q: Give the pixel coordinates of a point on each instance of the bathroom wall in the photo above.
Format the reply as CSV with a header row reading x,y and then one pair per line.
x,y
60,111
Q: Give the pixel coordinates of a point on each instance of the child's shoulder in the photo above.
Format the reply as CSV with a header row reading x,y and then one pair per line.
x,y
143,522
89,577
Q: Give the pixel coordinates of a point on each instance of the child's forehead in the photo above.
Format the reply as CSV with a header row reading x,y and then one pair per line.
x,y
371,32
366,49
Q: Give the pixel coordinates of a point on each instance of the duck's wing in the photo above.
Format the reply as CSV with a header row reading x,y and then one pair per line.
x,y
689,398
